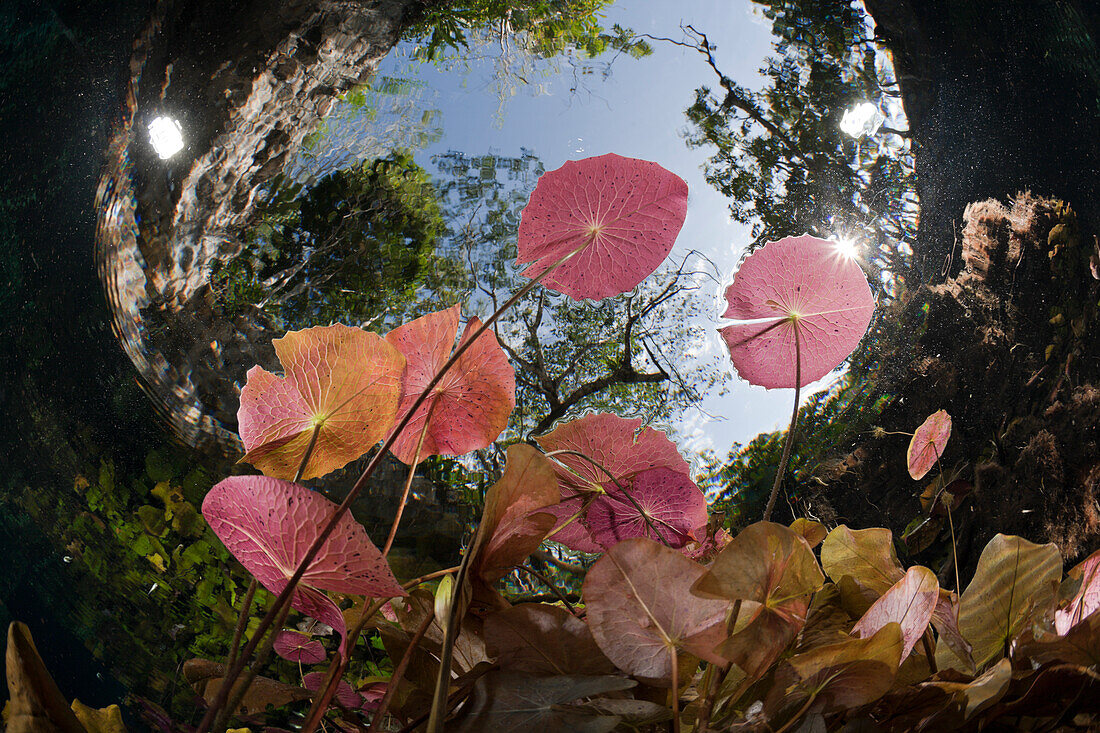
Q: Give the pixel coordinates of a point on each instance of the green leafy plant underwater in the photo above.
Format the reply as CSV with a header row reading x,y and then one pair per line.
x,y
682,626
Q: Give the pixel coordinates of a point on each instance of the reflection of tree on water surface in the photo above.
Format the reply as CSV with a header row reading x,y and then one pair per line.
x,y
74,409
247,90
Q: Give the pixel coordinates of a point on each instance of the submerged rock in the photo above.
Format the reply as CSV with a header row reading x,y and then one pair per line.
x,y
1007,348
246,89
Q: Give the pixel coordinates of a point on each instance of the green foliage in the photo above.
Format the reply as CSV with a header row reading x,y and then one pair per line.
x,y
779,154
546,28
825,421
359,247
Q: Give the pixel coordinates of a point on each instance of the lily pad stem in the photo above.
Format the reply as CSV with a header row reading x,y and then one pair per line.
x,y
950,522
338,666
791,430
308,453
675,691
408,482
399,671
242,621
284,598
715,674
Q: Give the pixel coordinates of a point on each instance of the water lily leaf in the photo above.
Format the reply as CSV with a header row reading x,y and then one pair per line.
x,y
639,608
470,406
766,563
638,713
773,571
537,638
269,524
928,442
317,605
346,695
983,692
295,646
618,444
826,621
105,720
865,555
1087,598
343,380
206,677
761,635
512,525
372,695
1080,645
508,702
671,502
36,703
798,283
838,676
908,603
1014,577
811,531
946,621
624,212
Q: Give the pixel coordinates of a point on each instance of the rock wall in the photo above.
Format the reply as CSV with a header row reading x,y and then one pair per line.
x,y
1008,347
247,82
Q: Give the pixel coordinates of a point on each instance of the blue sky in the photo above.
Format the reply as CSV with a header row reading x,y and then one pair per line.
x,y
636,111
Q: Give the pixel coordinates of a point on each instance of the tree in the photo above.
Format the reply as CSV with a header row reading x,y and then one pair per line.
x,y
780,155
360,246
994,322
544,28
621,354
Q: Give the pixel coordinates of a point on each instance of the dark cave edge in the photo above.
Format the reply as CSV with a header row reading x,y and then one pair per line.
x,y
1001,101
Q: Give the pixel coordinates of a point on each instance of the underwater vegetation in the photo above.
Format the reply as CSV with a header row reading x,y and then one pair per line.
x,y
679,624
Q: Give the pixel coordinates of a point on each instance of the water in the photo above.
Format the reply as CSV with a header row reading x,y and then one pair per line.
x,y
140,285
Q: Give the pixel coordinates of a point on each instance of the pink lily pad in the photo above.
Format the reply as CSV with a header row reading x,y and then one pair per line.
x,y
928,443
294,646
372,695
342,379
640,606
618,445
1087,598
802,284
470,406
625,214
910,603
675,506
345,693
268,525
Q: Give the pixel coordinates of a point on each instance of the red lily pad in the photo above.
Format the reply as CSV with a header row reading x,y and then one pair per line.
x,y
294,646
514,522
345,693
1087,598
470,406
342,379
802,284
372,695
909,603
928,443
269,524
616,443
671,502
622,214
639,607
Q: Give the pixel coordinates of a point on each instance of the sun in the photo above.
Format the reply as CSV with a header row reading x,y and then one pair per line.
x,y
847,247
